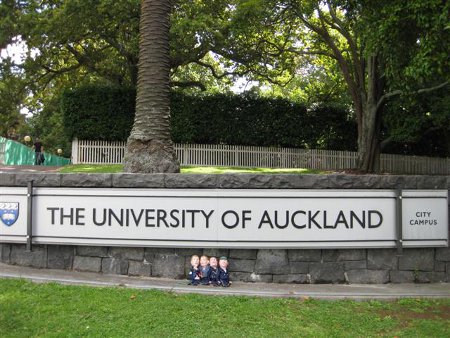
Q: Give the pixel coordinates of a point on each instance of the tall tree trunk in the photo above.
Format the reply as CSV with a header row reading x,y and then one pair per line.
x,y
368,143
149,147
369,123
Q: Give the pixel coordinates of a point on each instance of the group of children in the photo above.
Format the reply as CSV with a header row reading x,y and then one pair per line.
x,y
209,271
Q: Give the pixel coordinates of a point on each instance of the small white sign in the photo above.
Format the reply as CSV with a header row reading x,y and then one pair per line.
x,y
425,216
228,218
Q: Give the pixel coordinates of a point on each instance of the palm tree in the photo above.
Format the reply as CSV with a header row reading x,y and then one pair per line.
x,y
149,147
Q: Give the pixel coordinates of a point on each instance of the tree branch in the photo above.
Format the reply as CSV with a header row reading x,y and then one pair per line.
x,y
430,89
339,26
215,74
187,84
387,96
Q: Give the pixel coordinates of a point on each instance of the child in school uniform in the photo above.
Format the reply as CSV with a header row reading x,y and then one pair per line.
x,y
214,271
204,270
224,276
194,271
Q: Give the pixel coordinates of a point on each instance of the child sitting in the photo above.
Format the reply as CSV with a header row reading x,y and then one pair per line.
x,y
224,277
194,271
204,270
214,271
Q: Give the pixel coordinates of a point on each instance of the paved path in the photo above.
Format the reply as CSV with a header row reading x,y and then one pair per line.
x,y
322,291
28,168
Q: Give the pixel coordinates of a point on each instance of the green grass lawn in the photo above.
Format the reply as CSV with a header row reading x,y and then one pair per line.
x,y
52,310
116,168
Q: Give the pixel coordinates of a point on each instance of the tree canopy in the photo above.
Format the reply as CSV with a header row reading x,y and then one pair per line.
x,y
388,59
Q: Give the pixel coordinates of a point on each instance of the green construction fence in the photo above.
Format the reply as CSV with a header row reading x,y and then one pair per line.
x,y
15,153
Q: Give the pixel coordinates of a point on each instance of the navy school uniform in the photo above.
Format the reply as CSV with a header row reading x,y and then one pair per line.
x,y
214,276
224,277
205,273
193,273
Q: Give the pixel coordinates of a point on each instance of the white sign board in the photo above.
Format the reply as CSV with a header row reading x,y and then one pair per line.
x,y
225,218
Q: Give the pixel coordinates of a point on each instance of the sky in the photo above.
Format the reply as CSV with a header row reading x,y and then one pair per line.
x,y
15,50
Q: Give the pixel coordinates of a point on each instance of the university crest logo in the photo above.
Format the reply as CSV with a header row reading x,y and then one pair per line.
x,y
9,212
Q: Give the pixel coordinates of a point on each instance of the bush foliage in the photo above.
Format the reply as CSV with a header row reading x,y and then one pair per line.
x,y
107,113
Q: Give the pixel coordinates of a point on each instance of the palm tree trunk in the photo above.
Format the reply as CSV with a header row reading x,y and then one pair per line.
x,y
149,147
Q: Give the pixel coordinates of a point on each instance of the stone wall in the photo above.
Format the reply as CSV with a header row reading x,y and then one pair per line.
x,y
265,265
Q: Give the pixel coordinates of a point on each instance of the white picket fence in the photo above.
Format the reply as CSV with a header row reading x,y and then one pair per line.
x,y
108,152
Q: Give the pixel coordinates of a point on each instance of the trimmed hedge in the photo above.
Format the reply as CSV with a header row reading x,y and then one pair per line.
x,y
98,112
107,113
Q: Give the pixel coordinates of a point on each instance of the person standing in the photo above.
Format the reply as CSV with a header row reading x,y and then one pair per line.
x,y
38,149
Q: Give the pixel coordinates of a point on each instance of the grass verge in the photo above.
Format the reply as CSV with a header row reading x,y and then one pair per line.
x,y
116,168
53,310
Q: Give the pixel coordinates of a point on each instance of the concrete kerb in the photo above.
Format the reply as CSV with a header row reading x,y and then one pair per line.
x,y
317,291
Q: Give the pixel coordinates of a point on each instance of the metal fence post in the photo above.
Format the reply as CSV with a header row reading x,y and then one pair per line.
x,y
29,215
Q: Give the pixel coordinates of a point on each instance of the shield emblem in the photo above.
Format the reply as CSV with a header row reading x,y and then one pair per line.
x,y
9,212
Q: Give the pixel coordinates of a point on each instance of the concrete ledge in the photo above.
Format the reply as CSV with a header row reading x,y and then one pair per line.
x,y
228,181
324,291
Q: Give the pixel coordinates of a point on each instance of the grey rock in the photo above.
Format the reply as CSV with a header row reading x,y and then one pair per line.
x,y
447,269
239,181
115,266
188,252
417,260
151,252
5,252
291,278
7,179
250,277
298,267
36,258
283,181
355,265
271,262
402,277
443,254
212,252
394,182
410,182
86,180
60,256
260,278
430,277
136,254
439,266
313,182
127,180
242,265
431,182
326,273
190,181
341,181
382,259
240,276
139,268
369,182
301,255
91,264
94,251
169,266
343,255
243,254
368,276
39,179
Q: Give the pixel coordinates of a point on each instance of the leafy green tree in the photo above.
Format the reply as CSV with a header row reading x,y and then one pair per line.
x,y
381,48
12,94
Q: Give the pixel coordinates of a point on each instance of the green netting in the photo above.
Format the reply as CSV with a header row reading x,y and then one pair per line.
x,y
15,153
